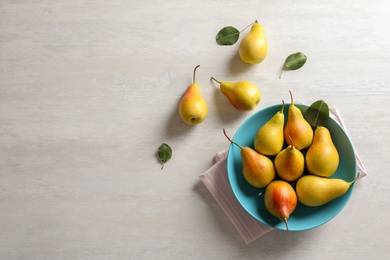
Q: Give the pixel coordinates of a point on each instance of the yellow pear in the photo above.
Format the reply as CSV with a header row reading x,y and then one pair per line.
x,y
193,108
280,200
269,138
242,95
322,157
257,169
289,163
297,128
316,191
254,46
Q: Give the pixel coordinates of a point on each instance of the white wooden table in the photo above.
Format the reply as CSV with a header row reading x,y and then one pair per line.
x,y
90,89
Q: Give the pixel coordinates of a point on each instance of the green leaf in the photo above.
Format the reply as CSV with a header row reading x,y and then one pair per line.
x,y
227,36
164,153
293,62
317,114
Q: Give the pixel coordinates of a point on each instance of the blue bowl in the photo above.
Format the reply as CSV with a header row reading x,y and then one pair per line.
x,y
252,199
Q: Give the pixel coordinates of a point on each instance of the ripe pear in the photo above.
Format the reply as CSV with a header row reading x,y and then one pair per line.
x,y
289,163
242,95
193,108
314,191
258,170
254,46
280,200
269,138
297,128
322,157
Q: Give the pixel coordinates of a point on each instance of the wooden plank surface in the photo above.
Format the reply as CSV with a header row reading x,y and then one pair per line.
x,y
89,90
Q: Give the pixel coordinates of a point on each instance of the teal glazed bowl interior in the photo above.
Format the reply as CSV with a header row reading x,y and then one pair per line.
x,y
252,199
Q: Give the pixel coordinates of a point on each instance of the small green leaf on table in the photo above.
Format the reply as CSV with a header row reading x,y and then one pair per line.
x,y
164,153
227,36
293,62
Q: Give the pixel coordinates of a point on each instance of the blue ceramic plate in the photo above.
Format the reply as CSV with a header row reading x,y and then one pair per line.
x,y
252,199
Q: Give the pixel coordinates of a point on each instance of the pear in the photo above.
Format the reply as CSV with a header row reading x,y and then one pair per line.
x,y
289,163
322,157
193,108
254,46
314,191
242,95
269,138
258,170
297,128
280,200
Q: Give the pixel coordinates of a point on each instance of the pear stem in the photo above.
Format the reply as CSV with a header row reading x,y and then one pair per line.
x,y
224,131
292,145
285,221
292,99
193,81
212,78
247,27
281,110
357,177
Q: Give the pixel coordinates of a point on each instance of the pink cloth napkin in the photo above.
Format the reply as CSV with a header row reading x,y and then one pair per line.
x,y
216,181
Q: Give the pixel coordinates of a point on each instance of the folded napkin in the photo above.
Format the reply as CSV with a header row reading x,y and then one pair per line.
x,y
216,181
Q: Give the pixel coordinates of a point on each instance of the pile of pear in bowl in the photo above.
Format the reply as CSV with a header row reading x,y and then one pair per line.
x,y
290,174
